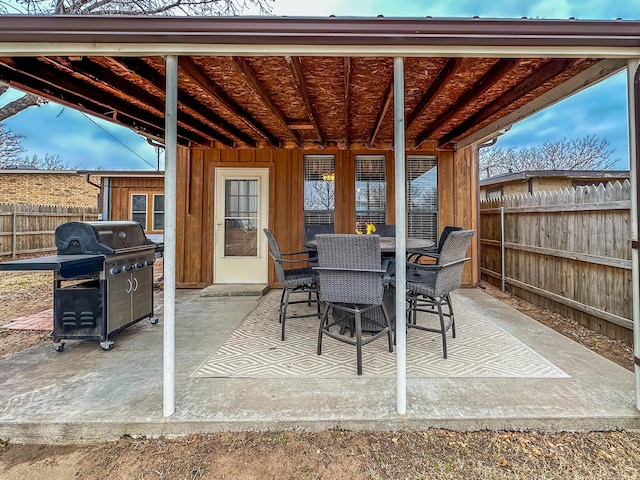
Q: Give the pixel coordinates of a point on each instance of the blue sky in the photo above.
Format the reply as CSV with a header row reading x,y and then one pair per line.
x,y
600,110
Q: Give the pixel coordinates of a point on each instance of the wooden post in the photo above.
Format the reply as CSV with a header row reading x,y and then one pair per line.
x,y
502,250
14,246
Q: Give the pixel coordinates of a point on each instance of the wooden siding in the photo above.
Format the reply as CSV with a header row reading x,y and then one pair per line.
x,y
457,175
120,191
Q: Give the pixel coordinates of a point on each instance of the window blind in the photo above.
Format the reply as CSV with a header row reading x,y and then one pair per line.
x,y
422,196
319,189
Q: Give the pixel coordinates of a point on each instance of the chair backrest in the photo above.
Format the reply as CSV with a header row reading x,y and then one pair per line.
x,y
386,230
445,233
449,277
346,253
310,231
275,254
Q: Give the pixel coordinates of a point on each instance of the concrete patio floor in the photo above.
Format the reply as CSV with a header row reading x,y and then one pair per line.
x,y
85,394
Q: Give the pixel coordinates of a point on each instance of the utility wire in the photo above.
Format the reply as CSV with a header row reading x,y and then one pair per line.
x,y
117,139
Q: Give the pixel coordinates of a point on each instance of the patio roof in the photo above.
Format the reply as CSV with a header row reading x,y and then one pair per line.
x,y
312,83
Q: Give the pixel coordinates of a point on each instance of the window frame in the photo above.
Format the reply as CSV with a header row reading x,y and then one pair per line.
x,y
146,210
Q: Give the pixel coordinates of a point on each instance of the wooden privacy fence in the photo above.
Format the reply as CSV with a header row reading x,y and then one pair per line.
x,y
29,229
565,250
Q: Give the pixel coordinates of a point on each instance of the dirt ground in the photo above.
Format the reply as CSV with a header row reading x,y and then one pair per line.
x,y
334,454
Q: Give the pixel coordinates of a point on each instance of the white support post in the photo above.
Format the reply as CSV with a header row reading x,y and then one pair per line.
x,y
633,105
401,236
503,274
171,141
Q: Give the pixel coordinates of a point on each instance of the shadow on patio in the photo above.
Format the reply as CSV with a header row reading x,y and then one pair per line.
x,y
504,371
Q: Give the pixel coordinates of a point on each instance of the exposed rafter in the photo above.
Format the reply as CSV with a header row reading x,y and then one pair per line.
x,y
296,69
490,78
251,78
448,70
382,112
347,99
63,88
149,74
542,75
89,70
203,80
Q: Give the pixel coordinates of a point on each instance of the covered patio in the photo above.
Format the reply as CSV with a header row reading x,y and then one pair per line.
x,y
86,394
262,94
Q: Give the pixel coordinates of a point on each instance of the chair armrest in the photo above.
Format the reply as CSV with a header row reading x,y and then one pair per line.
x,y
287,261
294,253
414,257
420,266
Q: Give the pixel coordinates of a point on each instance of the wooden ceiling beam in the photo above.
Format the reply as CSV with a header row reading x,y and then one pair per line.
x,y
445,74
490,78
296,70
157,79
245,70
382,112
96,73
211,88
534,80
63,88
347,99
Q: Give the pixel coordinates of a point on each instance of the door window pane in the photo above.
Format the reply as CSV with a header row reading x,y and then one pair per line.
x,y
319,189
422,196
241,218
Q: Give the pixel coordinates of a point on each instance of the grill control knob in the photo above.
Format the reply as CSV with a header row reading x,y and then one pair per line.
x,y
139,265
148,263
128,268
115,271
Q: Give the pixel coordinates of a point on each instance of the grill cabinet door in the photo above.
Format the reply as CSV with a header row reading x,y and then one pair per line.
x,y
119,301
141,294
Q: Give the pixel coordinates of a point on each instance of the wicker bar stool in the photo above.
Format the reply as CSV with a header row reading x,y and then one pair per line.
x,y
293,280
429,286
351,281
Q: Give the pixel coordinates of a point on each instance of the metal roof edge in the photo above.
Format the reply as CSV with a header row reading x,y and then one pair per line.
x,y
123,173
319,31
510,177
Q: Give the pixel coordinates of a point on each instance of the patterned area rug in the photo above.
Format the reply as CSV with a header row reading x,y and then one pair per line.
x,y
481,349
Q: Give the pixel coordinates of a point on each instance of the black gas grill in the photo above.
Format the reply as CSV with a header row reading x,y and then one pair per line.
x,y
103,279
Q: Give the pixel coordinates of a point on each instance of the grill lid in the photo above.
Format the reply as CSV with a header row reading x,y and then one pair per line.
x,y
106,238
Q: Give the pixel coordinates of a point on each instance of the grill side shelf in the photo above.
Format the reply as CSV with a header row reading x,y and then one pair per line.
x,y
67,266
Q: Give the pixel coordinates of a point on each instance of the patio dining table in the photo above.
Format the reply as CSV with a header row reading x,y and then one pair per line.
x,y
388,250
387,244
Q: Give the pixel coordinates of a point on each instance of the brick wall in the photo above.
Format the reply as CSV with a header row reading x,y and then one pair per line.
x,y
48,188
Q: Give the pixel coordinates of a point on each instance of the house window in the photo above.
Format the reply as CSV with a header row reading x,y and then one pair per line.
x,y
319,189
139,209
158,211
495,193
422,196
371,191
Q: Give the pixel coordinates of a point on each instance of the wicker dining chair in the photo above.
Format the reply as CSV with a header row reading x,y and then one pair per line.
x,y
416,254
351,282
429,286
293,280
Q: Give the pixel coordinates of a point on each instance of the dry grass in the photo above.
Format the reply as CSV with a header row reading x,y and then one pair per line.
x,y
339,454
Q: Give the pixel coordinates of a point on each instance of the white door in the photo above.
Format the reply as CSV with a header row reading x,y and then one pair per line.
x,y
241,212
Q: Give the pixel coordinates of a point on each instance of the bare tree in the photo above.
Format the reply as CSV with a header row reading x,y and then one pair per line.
x,y
48,162
139,7
10,147
587,153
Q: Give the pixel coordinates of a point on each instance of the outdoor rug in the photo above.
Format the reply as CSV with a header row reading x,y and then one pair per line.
x,y
481,349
